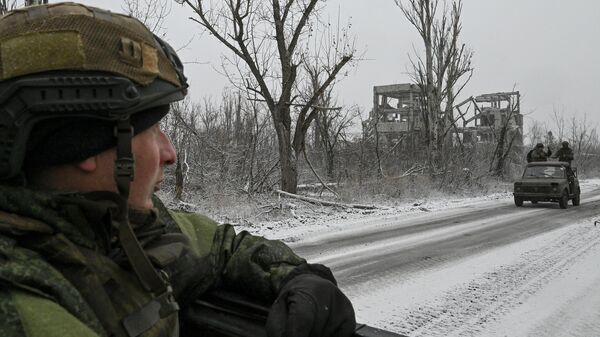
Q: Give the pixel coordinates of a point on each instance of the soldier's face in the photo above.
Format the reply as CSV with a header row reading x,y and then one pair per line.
x,y
152,151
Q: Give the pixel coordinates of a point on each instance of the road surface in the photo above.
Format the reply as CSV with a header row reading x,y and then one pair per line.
x,y
460,271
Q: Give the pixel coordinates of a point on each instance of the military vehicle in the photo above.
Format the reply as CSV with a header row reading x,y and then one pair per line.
x,y
548,181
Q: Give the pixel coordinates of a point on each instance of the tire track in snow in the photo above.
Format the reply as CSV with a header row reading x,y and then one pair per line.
x,y
464,311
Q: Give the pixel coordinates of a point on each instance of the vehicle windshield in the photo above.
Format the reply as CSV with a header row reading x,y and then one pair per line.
x,y
544,172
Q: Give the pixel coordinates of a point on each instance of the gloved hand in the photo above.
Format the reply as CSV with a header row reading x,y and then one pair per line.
x,y
311,306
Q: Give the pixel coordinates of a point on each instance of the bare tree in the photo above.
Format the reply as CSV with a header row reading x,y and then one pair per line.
x,y
505,141
441,71
177,126
331,122
7,5
266,41
536,133
259,165
584,140
152,13
558,116
333,128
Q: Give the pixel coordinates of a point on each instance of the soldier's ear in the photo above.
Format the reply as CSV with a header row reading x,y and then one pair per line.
x,y
88,165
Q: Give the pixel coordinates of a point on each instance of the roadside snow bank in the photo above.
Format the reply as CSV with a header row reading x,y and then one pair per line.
x,y
310,219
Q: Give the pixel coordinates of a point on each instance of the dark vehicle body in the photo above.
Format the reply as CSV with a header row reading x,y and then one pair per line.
x,y
548,181
227,314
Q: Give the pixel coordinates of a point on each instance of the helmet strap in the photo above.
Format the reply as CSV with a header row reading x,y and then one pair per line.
x,y
163,303
124,162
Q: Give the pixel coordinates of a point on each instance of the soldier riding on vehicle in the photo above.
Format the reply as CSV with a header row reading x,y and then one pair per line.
x,y
565,153
538,153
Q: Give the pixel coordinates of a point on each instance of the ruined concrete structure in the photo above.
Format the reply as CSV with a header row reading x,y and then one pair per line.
x,y
396,111
396,114
478,119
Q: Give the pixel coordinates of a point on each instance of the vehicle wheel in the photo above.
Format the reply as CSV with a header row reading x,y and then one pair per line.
x,y
518,202
576,199
564,200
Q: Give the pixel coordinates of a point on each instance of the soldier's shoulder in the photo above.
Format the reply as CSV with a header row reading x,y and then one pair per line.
x,y
12,224
27,270
193,221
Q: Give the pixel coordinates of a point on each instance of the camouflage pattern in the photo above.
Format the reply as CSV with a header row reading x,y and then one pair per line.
x,y
564,154
60,261
70,61
66,36
539,154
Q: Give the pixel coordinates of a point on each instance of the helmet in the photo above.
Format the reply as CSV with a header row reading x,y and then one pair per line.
x,y
66,60
565,144
539,145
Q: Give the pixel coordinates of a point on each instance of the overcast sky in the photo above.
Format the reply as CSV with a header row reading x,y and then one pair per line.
x,y
549,50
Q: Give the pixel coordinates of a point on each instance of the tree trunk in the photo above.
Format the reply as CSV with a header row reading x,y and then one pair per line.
x,y
330,163
288,159
498,168
240,26
289,168
178,180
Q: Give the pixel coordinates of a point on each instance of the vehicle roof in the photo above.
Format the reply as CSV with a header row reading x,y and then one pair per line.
x,y
548,163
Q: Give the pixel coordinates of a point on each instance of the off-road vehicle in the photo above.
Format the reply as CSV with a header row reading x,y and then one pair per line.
x,y
548,181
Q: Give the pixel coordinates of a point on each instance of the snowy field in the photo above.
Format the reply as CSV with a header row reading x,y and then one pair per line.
x,y
540,286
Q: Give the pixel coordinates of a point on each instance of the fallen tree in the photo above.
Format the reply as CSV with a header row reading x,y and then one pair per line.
x,y
323,202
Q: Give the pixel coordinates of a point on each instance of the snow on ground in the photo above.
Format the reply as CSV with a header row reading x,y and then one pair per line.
x,y
312,220
567,305
510,291
541,286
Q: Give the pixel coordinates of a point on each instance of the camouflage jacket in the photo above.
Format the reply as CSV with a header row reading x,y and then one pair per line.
x,y
63,272
564,154
540,155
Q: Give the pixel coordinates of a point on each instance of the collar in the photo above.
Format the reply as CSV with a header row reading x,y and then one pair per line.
x,y
84,218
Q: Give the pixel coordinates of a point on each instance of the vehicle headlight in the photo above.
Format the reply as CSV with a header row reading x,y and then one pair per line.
x,y
555,189
518,189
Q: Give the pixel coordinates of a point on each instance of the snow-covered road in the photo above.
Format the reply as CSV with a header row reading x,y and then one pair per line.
x,y
509,291
540,284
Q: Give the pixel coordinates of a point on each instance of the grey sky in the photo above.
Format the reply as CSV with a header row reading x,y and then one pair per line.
x,y
548,50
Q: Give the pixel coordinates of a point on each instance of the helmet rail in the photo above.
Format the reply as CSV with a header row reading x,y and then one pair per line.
x,y
26,101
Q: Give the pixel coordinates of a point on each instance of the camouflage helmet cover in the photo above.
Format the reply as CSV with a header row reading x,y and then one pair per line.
x,y
70,36
71,60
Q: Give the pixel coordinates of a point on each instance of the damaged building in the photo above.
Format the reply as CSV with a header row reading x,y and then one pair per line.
x,y
397,117
479,119
396,113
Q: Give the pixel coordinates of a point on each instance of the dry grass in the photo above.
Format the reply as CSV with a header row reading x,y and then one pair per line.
x,y
237,207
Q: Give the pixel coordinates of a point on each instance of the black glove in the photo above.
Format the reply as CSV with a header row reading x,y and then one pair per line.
x,y
311,306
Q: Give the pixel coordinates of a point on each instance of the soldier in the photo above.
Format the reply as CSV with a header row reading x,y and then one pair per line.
x,y
85,247
538,153
529,159
565,153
